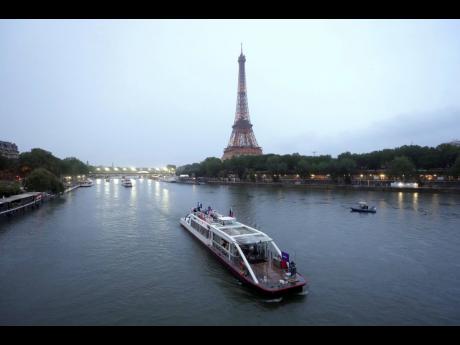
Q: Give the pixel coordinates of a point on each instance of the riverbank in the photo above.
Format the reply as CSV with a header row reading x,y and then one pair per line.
x,y
67,190
19,203
341,187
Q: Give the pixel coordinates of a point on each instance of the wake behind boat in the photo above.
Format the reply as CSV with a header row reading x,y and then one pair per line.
x,y
250,254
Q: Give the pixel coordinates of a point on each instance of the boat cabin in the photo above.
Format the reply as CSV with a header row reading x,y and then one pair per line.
x,y
363,205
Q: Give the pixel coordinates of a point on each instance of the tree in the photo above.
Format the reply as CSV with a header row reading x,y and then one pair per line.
x,y
455,170
73,166
38,158
275,165
448,154
8,188
303,167
7,163
343,168
401,167
41,180
211,166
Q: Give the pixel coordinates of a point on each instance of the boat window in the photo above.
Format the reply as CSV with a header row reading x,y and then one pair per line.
x,y
200,228
257,252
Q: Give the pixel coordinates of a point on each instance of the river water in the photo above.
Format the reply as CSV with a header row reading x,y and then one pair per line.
x,y
110,255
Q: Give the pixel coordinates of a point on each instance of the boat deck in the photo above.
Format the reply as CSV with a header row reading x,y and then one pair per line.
x,y
272,271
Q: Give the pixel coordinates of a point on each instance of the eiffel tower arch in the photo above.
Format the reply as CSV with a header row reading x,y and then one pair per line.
x,y
242,140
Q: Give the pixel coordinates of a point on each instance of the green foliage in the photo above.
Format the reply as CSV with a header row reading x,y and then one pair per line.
x,y
401,167
277,165
73,166
455,170
344,166
211,166
303,167
42,180
415,157
38,158
8,188
8,164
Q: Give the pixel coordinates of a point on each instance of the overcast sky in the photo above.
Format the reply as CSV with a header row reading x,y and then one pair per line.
x,y
154,92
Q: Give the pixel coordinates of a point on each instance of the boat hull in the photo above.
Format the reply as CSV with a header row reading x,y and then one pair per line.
x,y
362,211
273,293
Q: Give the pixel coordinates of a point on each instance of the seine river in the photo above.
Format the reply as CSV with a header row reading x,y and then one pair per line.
x,y
110,255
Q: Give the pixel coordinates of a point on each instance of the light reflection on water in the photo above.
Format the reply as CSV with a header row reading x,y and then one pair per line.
x,y
114,255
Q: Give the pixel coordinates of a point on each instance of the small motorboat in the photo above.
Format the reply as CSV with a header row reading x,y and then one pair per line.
x,y
363,208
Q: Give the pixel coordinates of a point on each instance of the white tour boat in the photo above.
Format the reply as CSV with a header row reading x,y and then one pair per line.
x,y
170,179
250,254
126,182
86,183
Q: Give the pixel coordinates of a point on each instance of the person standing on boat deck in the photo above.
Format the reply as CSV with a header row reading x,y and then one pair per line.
x,y
292,269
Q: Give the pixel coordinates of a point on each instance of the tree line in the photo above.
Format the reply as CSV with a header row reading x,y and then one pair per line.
x,y
41,170
405,161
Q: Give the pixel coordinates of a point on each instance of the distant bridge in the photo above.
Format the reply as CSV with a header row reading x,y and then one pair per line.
x,y
117,174
100,171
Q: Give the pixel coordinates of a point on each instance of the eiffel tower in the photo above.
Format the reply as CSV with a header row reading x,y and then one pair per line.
x,y
242,141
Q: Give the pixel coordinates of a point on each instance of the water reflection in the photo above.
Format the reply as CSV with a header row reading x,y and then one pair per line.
x,y
120,249
157,189
400,199
242,204
165,198
107,188
133,190
415,201
116,188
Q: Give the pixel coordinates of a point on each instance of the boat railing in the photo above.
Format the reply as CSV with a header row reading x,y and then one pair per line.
x,y
246,263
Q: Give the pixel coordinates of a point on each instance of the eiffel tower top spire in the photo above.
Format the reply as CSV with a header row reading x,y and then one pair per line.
x,y
242,110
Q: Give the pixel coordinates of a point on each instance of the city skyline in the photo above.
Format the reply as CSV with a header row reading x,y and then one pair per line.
x,y
157,92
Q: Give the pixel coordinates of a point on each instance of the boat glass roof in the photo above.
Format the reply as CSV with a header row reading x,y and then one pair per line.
x,y
254,238
237,230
